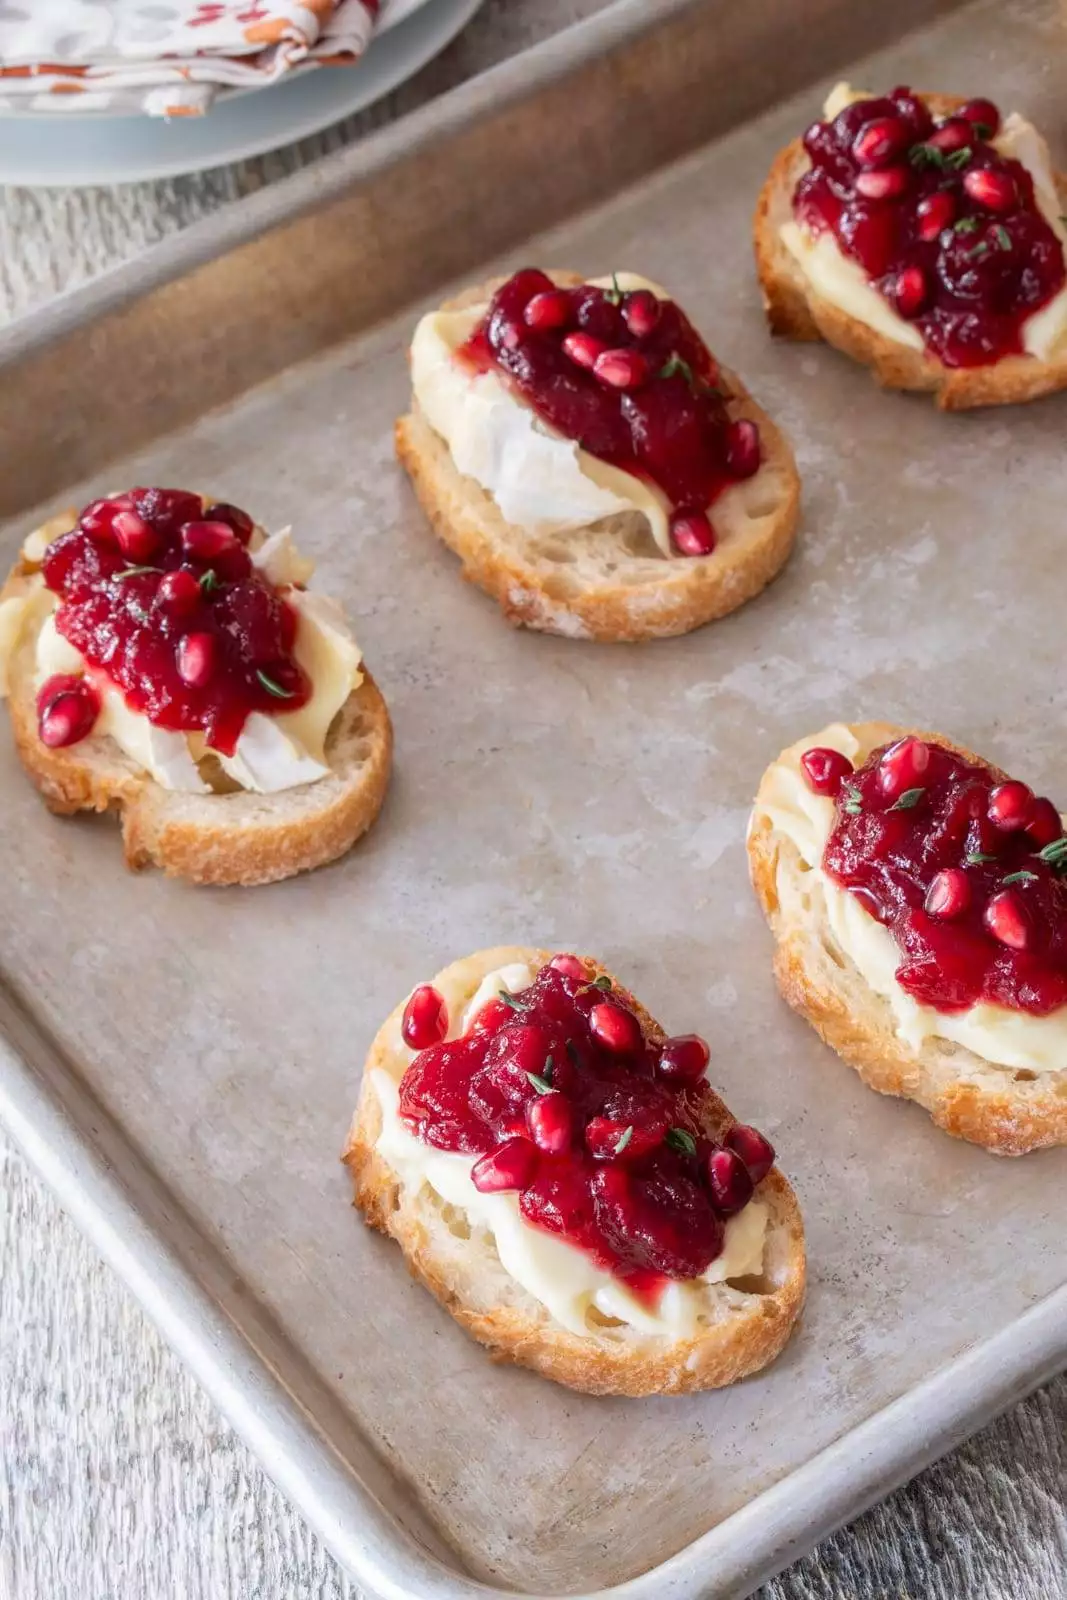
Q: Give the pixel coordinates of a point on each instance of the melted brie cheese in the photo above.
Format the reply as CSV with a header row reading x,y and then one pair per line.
x,y
557,1274
998,1035
842,282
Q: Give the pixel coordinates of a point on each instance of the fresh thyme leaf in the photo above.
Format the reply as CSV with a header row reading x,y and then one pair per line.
x,y
681,1139
1054,855
981,249
959,158
510,1000
1019,877
982,129
603,983
909,799
543,1085
853,800
926,155
975,858
613,295
967,225
209,580
624,1139
1002,236
273,687
572,1051
677,366
134,572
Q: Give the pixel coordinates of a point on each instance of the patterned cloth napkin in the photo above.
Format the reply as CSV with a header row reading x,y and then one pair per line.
x,y
166,57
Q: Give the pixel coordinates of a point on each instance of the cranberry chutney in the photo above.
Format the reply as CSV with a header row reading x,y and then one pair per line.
x,y
561,1095
159,594
965,870
626,376
946,228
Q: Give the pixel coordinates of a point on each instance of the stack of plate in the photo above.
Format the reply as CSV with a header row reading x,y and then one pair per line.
x,y
100,147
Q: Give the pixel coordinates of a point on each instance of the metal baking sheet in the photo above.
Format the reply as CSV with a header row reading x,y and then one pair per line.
x,y
181,1063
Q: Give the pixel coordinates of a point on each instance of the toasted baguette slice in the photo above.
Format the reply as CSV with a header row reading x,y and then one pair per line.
x,y
608,581
238,838
1007,1112
796,311
747,1323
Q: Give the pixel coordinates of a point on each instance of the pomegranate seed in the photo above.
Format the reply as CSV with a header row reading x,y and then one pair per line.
x,y
550,1119
692,534
756,1151
583,349
903,767
617,1030
994,190
934,214
1010,805
983,117
825,769
234,518
1006,919
742,449
206,540
911,291
730,1181
683,1059
425,1020
552,309
641,312
884,183
955,134
67,708
196,659
98,519
136,538
949,894
881,141
179,591
570,967
1044,824
621,369
510,1166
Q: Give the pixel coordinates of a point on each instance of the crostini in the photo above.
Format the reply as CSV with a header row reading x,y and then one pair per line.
x,y
596,470
924,236
163,658
918,900
561,1176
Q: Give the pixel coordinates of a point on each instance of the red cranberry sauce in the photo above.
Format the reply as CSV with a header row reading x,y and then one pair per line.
x,y
626,376
948,231
561,1095
964,871
159,592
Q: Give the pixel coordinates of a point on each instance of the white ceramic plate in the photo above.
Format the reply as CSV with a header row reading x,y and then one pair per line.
x,y
67,149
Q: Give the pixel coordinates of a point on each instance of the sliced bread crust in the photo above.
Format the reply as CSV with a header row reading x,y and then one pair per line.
x,y
746,1326
602,583
796,311
1003,1110
238,838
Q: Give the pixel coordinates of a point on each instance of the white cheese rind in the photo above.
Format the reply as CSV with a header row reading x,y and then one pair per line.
x,y
557,1274
998,1035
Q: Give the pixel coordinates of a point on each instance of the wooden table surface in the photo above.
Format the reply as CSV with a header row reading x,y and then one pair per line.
x,y
118,1479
